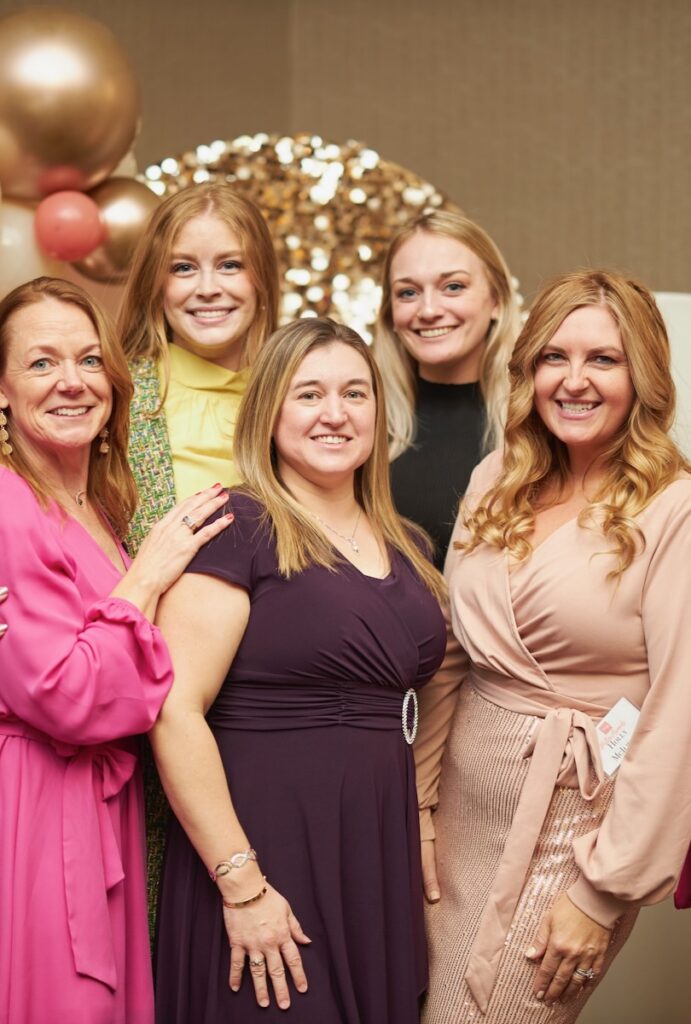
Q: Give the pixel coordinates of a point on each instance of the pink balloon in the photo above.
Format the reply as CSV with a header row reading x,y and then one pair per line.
x,y
68,225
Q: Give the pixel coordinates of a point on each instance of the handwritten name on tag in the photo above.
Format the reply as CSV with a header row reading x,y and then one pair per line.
x,y
614,734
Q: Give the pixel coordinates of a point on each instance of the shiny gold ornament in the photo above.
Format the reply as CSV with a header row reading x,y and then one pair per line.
x,y
332,210
125,206
69,102
5,446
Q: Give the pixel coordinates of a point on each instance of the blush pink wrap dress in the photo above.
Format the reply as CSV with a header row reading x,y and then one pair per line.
x,y
80,673
522,808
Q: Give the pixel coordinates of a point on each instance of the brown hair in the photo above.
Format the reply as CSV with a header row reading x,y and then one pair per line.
x,y
142,326
641,460
110,483
298,540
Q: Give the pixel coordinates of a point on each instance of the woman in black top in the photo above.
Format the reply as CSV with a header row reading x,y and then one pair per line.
x,y
448,321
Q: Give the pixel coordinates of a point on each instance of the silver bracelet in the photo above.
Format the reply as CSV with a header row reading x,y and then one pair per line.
x,y
236,860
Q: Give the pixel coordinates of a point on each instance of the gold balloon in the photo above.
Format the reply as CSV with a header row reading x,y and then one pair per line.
x,y
125,206
69,102
21,259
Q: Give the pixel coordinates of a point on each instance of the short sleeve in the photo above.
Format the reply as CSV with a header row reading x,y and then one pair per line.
x,y
237,554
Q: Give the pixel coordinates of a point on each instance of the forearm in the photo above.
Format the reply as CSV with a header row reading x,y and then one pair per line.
x,y
195,782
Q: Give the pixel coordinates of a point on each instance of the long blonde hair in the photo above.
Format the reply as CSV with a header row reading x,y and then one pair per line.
x,y
398,367
110,481
299,542
641,459
142,326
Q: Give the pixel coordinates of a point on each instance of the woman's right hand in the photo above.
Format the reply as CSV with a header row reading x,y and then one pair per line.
x,y
430,881
170,546
266,932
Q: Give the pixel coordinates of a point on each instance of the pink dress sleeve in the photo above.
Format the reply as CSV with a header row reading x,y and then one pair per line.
x,y
76,664
439,697
637,853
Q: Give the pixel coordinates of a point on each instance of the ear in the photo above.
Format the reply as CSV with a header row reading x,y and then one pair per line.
x,y
4,400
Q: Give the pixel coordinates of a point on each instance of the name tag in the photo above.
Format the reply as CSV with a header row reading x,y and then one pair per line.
x,y
614,734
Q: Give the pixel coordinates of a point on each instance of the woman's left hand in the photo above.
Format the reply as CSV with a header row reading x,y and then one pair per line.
x,y
566,939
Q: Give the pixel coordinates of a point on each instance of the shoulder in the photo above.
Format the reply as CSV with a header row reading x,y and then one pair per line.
x,y
250,525
486,474
20,506
669,510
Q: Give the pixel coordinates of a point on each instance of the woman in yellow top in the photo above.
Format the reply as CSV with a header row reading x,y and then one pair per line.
x,y
201,299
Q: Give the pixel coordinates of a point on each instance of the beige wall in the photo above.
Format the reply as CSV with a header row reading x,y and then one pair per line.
x,y
562,126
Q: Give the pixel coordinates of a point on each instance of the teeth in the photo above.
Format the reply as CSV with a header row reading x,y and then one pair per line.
x,y
209,314
434,332
331,438
578,406
70,411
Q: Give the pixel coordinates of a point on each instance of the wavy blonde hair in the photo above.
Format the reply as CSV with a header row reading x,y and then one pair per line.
x,y
142,326
640,461
299,541
110,482
400,370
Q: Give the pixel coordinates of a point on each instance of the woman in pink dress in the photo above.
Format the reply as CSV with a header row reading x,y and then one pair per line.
x,y
557,814
82,668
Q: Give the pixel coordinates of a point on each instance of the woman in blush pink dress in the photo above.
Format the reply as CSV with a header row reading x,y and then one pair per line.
x,y
569,589
82,667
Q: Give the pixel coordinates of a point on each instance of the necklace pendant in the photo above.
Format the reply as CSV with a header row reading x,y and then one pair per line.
x,y
355,546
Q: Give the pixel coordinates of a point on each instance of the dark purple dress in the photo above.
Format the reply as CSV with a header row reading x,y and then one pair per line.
x,y
308,723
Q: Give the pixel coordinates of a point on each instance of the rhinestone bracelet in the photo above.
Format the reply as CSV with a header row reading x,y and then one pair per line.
x,y
237,860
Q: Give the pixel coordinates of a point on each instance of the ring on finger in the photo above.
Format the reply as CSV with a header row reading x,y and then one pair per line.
x,y
189,521
586,973
257,961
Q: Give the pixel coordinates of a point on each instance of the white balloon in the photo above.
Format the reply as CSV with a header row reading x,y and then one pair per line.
x,y
21,258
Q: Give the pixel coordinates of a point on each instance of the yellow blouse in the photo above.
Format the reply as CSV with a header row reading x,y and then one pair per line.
x,y
201,409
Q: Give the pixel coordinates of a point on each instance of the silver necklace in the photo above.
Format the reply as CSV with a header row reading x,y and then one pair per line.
x,y
349,540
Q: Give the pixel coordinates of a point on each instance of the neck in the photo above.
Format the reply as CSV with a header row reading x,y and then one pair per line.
x,y
335,503
586,469
65,476
466,371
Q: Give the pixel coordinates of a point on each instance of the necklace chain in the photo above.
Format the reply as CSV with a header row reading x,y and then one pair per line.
x,y
349,540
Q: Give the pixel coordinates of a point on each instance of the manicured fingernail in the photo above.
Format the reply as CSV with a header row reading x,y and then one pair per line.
x,y
284,1004
530,953
434,896
540,996
302,988
230,517
3,628
264,1002
3,593
217,484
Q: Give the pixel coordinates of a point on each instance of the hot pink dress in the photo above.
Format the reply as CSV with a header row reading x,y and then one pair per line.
x,y
80,673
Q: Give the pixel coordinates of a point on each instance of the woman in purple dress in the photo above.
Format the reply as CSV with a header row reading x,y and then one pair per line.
x,y
284,746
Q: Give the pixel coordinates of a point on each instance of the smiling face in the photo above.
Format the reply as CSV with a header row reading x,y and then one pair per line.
x,y
442,306
325,428
54,383
583,387
209,298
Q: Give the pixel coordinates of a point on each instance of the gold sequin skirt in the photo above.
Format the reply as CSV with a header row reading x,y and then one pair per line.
x,y
482,777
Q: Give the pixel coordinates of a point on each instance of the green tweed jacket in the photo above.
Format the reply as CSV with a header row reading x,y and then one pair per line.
x,y
151,460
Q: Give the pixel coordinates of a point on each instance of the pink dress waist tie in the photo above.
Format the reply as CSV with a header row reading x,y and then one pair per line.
x,y
564,751
92,863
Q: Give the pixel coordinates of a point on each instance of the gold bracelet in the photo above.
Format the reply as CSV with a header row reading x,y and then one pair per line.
x,y
246,903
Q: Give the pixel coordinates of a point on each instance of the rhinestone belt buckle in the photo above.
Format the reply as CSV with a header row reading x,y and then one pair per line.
x,y
409,731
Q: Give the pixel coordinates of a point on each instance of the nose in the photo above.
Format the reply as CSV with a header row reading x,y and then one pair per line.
x,y
575,377
333,410
207,282
428,308
70,377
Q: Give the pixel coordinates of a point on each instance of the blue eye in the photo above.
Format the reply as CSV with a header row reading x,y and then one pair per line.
x,y
39,364
551,357
455,287
181,268
231,265
93,362
605,360
406,293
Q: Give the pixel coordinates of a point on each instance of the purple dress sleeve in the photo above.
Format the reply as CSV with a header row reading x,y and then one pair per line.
x,y
235,554
81,667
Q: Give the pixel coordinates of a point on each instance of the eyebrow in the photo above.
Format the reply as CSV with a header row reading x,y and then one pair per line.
x,y
362,381
440,277
49,349
234,254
